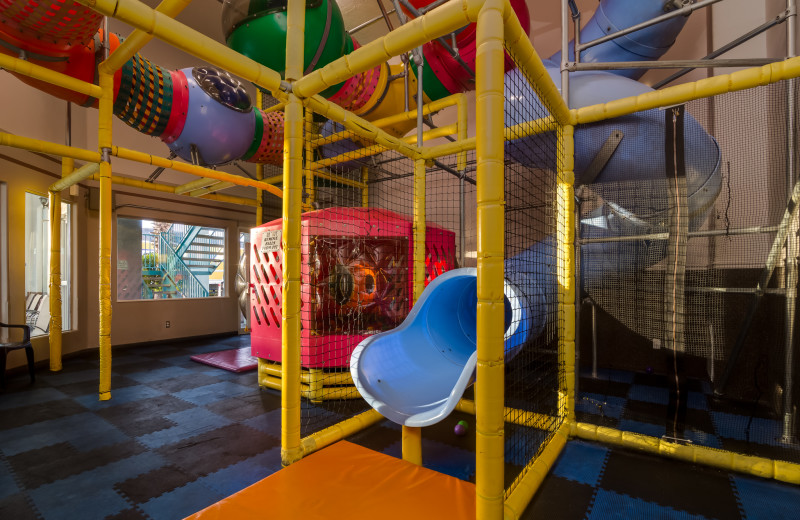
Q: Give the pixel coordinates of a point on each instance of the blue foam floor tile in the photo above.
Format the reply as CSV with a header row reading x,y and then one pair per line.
x,y
23,399
203,395
744,428
617,376
653,430
703,438
766,499
649,394
697,401
269,423
238,476
597,404
81,496
609,505
85,431
188,423
150,376
448,460
120,396
582,462
181,502
8,486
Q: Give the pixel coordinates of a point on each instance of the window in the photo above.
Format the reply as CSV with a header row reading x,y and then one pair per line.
x,y
159,260
37,264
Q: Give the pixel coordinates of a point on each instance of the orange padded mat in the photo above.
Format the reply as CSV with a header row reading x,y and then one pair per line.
x,y
347,481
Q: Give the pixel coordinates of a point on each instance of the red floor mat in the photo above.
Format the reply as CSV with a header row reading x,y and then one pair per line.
x,y
235,360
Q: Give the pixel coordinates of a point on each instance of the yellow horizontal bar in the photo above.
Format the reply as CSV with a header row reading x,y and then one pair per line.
x,y
443,20
58,79
339,431
332,393
84,172
178,35
336,178
360,127
133,155
217,186
727,460
138,38
514,415
376,149
521,492
329,378
36,145
193,185
518,131
740,80
275,108
137,183
430,108
220,197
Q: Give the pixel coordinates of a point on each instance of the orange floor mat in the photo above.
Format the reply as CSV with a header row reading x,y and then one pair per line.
x,y
347,481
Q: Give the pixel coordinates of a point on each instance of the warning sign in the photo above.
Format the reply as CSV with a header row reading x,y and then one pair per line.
x,y
271,241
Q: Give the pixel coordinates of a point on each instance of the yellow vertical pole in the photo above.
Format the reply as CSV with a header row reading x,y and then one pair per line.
x,y
291,448
104,141
310,191
489,386
565,233
55,330
461,125
365,189
259,169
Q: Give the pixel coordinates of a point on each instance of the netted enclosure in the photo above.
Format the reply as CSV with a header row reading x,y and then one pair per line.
x,y
533,374
688,236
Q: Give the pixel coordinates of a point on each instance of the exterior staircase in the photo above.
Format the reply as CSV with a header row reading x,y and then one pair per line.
x,y
180,258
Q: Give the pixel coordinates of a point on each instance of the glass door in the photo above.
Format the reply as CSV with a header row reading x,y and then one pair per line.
x,y
243,282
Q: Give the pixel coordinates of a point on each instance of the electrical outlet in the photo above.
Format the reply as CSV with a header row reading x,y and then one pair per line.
x,y
166,324
656,343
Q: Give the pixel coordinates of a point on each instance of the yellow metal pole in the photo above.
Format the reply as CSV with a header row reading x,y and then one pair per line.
x,y
36,145
727,460
138,38
217,186
565,234
309,147
291,447
144,158
58,79
447,18
463,123
104,143
365,189
147,19
56,325
84,172
259,169
489,385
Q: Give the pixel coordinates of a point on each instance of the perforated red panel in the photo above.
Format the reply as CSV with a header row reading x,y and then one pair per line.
x,y
60,23
356,276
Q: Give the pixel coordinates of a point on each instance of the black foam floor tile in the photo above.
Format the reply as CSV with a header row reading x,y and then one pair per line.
x,y
217,449
16,417
186,382
247,406
604,387
35,468
90,387
560,498
17,507
129,514
153,484
377,437
686,487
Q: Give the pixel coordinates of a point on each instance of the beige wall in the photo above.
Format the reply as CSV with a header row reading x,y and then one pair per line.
x,y
133,321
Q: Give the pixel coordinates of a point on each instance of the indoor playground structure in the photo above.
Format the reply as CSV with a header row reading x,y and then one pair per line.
x,y
420,273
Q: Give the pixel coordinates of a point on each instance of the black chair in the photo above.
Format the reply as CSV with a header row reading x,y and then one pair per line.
x,y
8,347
